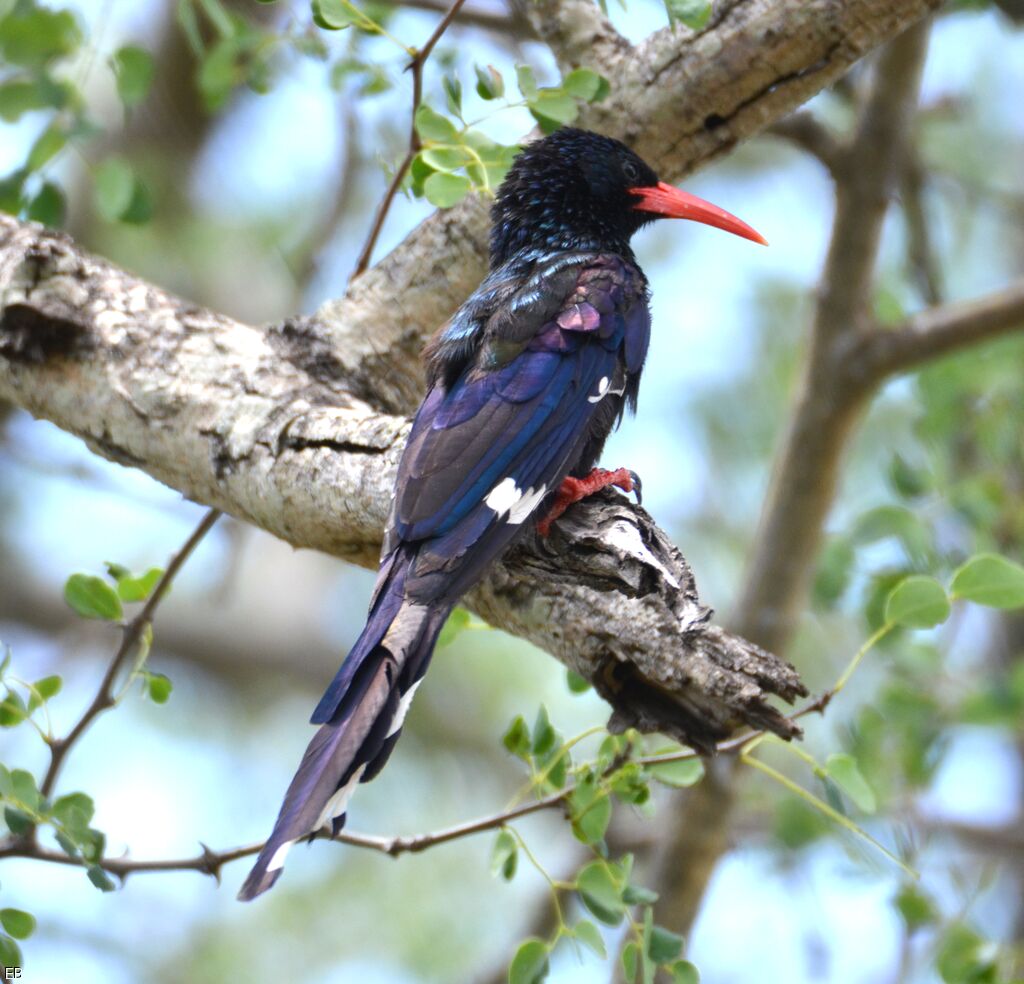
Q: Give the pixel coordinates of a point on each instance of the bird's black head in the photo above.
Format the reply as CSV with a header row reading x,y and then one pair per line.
x,y
579,190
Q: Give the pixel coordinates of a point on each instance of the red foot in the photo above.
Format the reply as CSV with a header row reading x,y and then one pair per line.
x,y
574,489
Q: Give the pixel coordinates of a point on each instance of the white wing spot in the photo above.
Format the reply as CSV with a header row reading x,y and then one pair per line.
x,y
602,390
507,497
503,496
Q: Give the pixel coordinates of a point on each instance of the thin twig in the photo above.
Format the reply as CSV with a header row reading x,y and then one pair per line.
x,y
60,747
924,264
511,24
210,862
416,67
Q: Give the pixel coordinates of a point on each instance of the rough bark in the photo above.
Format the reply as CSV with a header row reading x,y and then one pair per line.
x,y
681,99
261,423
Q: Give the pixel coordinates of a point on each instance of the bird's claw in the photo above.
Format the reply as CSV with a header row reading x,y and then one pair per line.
x,y
638,487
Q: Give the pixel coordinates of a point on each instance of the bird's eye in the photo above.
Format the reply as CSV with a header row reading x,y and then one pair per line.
x,y
631,171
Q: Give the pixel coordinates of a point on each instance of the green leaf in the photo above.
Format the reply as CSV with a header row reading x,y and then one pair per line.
x,y
6,785
915,907
32,36
833,573
845,772
133,69
489,83
505,855
555,105
590,936
158,687
600,893
693,13
21,925
684,972
444,190
12,710
917,602
664,945
92,597
582,83
517,738
139,588
576,683
630,961
446,158
24,788
100,878
18,822
219,73
991,580
453,94
140,208
908,480
898,523
114,186
638,895
43,690
48,206
686,772
544,735
48,144
10,953
530,964
334,15
526,81
432,126
74,811
116,571
965,958
591,810
18,97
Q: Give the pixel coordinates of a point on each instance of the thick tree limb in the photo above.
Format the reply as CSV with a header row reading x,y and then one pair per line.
x,y
680,99
276,426
261,423
576,32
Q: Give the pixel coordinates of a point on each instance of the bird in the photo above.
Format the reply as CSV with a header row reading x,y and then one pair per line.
x,y
524,384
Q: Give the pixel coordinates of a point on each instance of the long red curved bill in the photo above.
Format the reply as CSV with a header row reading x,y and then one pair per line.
x,y
672,203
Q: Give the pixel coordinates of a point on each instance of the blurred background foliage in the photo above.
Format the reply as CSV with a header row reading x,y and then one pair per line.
x,y
234,152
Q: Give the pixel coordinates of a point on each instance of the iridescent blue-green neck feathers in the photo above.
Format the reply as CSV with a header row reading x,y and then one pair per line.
x,y
569,191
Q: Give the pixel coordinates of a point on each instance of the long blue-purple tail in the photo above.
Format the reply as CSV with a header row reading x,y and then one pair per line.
x,y
360,718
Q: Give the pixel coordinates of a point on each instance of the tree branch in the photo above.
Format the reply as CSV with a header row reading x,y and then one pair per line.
x,y
279,426
104,699
939,331
576,32
806,469
679,99
263,424
806,131
511,24
210,862
416,67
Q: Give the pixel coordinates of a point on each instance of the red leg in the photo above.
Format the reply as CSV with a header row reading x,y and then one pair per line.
x,y
574,489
